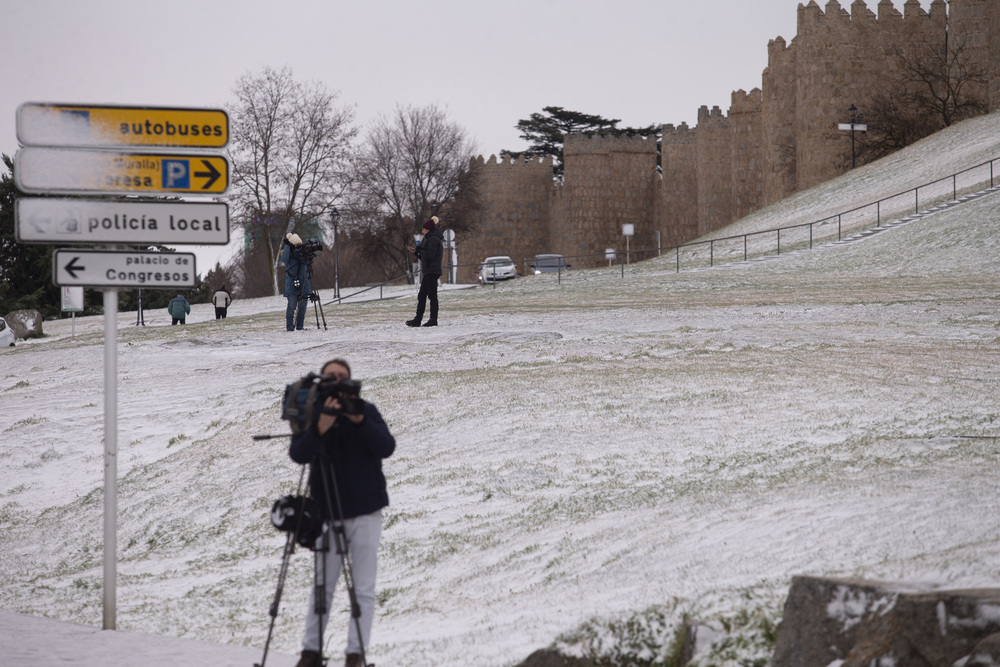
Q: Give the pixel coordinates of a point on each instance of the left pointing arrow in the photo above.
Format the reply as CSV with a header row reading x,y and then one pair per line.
x,y
73,267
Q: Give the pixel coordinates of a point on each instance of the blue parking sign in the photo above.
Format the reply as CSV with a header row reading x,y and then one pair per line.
x,y
176,175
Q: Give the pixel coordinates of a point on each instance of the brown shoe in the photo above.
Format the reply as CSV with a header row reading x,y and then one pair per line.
x,y
310,659
354,660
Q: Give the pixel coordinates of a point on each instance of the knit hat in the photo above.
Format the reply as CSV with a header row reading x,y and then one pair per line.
x,y
293,239
431,224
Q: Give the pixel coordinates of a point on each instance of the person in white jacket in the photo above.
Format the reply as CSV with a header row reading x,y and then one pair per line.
x,y
221,300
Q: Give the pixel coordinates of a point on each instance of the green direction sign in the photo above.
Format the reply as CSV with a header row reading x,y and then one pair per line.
x,y
72,171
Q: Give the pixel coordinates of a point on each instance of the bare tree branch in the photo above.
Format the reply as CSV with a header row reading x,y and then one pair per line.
x,y
290,155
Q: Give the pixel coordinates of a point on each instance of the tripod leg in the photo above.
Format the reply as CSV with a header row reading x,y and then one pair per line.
x,y
321,313
319,589
289,550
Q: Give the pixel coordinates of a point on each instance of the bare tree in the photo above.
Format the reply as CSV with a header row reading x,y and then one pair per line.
x,y
937,86
290,154
945,82
406,163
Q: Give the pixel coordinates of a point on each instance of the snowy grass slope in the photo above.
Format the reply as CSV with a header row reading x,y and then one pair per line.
x,y
567,453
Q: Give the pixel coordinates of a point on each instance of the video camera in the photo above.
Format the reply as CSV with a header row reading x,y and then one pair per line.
x,y
304,400
307,249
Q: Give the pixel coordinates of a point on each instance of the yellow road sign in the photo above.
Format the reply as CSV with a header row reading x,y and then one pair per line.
x,y
43,124
74,171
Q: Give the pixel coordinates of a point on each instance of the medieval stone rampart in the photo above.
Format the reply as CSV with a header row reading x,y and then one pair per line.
x,y
774,141
609,181
517,196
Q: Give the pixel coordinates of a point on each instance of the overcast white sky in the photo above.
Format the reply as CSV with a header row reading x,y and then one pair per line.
x,y
489,63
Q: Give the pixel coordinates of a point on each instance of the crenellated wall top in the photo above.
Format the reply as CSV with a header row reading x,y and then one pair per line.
x,y
812,15
593,144
508,161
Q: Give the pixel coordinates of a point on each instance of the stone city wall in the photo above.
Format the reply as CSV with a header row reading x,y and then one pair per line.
x,y
773,142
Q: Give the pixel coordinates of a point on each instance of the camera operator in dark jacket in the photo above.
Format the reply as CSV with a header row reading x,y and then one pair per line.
x,y
429,252
297,285
353,441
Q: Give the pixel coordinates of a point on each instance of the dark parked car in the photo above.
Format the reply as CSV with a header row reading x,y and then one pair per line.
x,y
548,263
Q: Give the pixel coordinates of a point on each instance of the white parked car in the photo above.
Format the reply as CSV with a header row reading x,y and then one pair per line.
x,y
6,334
496,268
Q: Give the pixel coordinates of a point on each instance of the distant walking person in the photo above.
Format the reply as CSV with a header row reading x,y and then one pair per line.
x,y
429,252
297,287
221,300
178,309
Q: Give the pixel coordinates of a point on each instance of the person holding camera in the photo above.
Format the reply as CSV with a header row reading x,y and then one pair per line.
x,y
297,285
345,448
429,252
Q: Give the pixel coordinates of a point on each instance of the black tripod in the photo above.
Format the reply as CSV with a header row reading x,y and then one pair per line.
x,y
313,296
336,526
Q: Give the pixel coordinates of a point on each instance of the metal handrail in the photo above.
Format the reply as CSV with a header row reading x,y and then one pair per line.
x,y
340,299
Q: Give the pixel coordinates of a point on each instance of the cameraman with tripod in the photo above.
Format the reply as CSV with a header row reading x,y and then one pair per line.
x,y
345,449
297,285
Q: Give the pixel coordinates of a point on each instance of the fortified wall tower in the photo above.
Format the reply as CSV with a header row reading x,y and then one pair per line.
x,y
746,122
677,205
839,58
609,181
517,197
976,27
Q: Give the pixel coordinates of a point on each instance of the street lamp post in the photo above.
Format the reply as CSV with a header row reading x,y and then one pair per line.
x,y
335,219
854,126
450,241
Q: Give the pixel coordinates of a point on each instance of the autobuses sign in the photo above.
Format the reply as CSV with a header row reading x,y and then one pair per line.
x,y
95,126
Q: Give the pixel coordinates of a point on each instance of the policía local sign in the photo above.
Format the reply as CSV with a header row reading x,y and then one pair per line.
x,y
91,126
60,220
110,268
79,171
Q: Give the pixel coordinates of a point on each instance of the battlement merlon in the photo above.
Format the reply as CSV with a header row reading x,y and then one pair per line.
x,y
682,134
744,102
887,11
713,118
860,11
600,144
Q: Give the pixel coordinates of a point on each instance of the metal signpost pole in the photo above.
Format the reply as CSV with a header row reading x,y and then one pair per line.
x,y
335,217
110,455
628,231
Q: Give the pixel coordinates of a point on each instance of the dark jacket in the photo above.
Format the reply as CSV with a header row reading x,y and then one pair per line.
x,y
430,251
295,268
355,453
